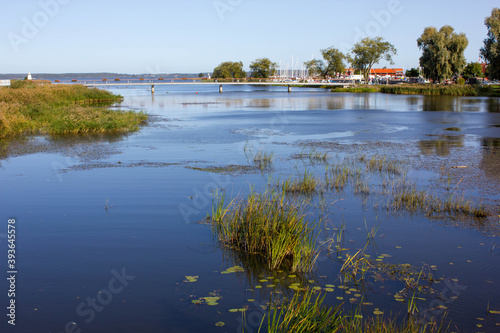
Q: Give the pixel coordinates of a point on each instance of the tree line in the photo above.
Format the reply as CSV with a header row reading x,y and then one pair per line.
x,y
442,57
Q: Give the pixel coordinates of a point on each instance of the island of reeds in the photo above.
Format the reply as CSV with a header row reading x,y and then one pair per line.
x,y
30,108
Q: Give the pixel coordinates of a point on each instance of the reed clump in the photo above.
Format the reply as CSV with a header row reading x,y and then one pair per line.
x,y
263,160
28,108
305,312
413,200
269,225
306,184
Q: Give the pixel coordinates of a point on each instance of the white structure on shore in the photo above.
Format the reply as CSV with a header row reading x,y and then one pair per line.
x,y
29,78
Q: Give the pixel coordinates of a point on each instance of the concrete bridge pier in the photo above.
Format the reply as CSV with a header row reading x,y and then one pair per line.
x,y
220,89
152,88
289,88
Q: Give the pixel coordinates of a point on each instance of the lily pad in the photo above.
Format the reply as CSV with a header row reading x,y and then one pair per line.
x,y
494,312
233,310
233,269
329,286
220,323
191,278
377,312
330,290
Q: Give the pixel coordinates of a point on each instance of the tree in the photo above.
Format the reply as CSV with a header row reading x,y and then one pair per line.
x,y
314,67
263,68
201,75
442,52
229,69
414,72
369,52
473,69
490,52
333,64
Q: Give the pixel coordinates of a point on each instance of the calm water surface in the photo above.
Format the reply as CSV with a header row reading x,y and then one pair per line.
x,y
107,232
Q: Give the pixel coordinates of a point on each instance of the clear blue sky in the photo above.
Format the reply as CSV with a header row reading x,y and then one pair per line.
x,y
166,36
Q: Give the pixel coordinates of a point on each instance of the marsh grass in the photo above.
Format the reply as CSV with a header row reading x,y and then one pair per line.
x,y
263,160
313,156
433,89
269,225
383,164
306,312
413,200
28,108
306,184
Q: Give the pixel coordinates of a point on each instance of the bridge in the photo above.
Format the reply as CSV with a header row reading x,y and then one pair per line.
x,y
153,83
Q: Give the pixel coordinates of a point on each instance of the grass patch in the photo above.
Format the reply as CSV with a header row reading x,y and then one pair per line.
x,y
312,156
435,89
425,89
28,108
263,160
307,184
383,164
306,313
413,201
269,225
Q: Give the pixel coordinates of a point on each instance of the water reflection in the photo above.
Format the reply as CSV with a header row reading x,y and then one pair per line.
x,y
441,146
305,99
494,105
491,156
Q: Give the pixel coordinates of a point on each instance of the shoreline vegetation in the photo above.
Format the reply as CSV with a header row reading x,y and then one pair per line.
x,y
426,89
398,89
30,108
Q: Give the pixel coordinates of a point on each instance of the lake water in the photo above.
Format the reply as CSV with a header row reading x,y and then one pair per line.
x,y
107,226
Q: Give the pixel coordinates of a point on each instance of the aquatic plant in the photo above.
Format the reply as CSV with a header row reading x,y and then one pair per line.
x,y
269,225
263,160
306,313
306,184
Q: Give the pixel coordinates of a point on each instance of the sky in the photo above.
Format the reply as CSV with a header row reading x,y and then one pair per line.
x,y
193,36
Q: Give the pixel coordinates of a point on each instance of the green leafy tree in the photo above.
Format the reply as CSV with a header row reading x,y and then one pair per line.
x,y
333,63
414,72
442,52
229,69
490,52
314,67
473,69
368,52
263,68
